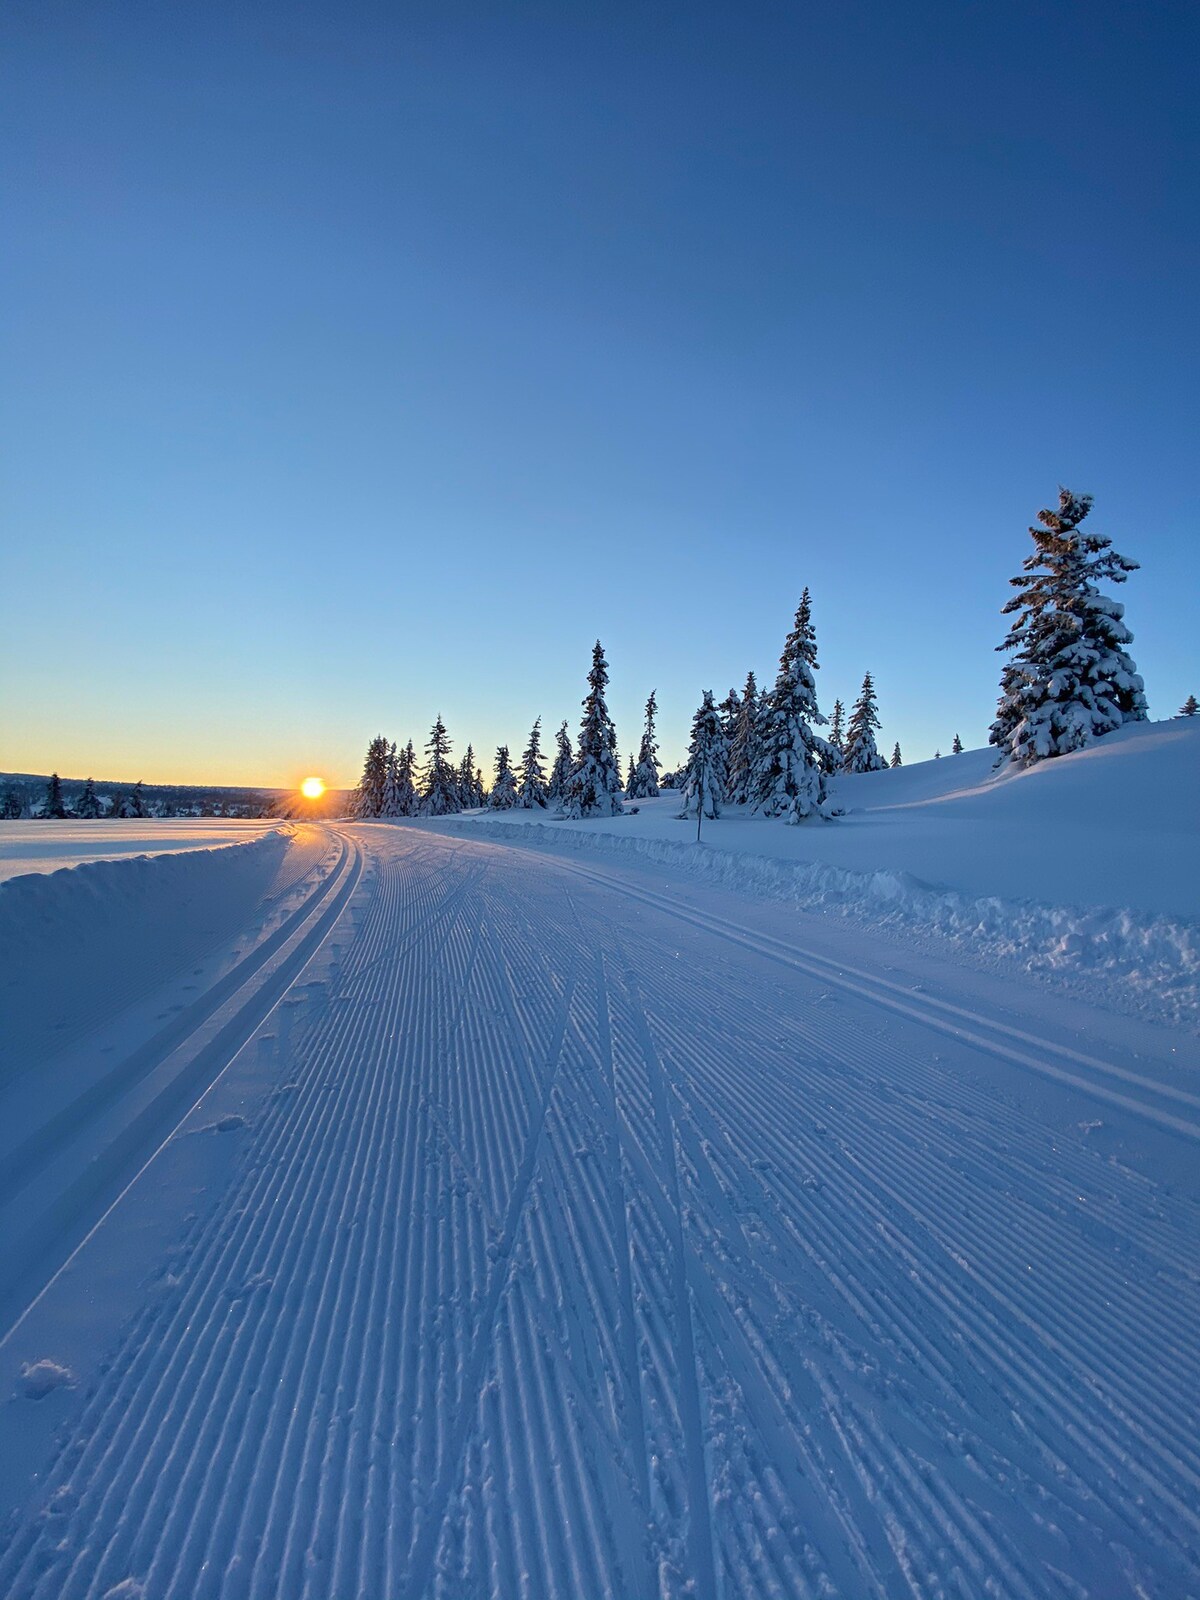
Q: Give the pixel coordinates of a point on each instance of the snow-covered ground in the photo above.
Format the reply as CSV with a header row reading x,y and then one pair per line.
x,y
1086,868
488,1215
45,846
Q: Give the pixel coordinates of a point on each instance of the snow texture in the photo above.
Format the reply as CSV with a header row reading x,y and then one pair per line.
x,y
40,1378
1004,865
593,1227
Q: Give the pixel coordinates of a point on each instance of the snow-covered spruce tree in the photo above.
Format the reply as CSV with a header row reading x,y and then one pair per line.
x,y
861,754
803,640
560,772
788,779
837,737
1070,679
503,795
137,801
956,748
1014,678
897,758
629,777
88,805
707,765
643,780
729,708
368,797
741,743
439,790
1189,707
391,784
594,788
54,806
531,792
470,785
669,780
408,801
465,778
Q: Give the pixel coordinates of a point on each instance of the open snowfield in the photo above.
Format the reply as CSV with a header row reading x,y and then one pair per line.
x,y
45,846
405,1211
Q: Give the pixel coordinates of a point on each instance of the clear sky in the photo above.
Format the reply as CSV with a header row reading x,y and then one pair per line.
x,y
364,361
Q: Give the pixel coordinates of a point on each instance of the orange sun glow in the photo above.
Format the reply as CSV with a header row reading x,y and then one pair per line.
x,y
312,788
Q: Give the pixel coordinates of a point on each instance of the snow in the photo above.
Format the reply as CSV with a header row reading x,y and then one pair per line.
x,y
45,846
40,1378
1088,865
476,1209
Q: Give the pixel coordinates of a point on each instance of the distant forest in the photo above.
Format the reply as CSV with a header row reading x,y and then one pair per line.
x,y
86,799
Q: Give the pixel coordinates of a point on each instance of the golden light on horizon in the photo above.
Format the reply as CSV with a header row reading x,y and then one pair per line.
x,y
312,788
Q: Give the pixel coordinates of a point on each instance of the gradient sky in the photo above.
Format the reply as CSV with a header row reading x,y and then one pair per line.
x,y
364,361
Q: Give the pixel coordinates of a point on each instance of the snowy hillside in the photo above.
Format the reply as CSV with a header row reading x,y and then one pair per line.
x,y
1089,863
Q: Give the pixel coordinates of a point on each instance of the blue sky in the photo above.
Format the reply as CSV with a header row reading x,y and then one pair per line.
x,y
365,361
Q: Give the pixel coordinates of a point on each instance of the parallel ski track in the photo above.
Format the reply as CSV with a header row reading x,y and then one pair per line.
x,y
987,1033
221,1020
573,1259
144,978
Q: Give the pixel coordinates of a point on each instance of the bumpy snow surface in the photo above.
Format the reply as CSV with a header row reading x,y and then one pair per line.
x,y
480,1222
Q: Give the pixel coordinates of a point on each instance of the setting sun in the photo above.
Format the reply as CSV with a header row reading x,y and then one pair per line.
x,y
312,788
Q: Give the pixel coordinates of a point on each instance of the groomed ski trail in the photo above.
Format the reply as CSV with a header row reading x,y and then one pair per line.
x,y
591,1246
84,1145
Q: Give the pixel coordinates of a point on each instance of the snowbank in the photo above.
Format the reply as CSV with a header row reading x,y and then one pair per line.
x,y
78,943
41,845
1087,865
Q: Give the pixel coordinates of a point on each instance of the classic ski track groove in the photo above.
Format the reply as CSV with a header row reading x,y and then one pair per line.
x,y
929,1011
542,1276
222,1021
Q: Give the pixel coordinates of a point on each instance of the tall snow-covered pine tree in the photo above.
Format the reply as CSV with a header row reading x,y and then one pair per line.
x,y
369,795
564,761
643,783
707,764
594,788
742,743
862,754
531,791
837,737
1070,679
503,793
439,791
788,778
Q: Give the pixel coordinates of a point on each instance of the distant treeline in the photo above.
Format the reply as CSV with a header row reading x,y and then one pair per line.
x,y
85,799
